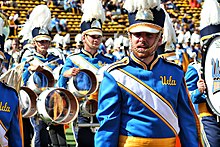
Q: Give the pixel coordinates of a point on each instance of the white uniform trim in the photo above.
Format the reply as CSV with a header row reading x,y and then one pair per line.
x,y
83,63
3,140
147,96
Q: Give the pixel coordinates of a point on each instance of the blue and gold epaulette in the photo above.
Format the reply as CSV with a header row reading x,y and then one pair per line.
x,y
124,61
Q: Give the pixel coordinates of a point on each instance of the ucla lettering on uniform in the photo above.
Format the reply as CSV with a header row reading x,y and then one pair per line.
x,y
101,64
168,81
4,107
215,75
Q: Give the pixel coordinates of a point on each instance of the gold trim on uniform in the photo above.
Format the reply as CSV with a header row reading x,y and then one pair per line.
x,y
89,54
130,141
123,61
138,61
203,110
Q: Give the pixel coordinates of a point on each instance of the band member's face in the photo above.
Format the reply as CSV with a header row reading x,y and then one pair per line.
x,y
42,45
142,43
93,41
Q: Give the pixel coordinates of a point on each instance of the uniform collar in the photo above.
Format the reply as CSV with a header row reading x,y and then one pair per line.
x,y
144,65
89,54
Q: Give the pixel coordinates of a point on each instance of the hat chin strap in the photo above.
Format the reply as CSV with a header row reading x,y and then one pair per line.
x,y
89,43
153,47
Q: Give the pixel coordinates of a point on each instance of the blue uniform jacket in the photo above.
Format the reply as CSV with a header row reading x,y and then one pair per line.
x,y
50,57
192,77
9,120
97,60
123,111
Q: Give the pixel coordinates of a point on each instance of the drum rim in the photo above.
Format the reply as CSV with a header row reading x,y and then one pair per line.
x,y
205,49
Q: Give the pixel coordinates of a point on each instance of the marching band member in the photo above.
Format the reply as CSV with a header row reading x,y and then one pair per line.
x,y
209,26
145,102
38,25
10,130
10,134
89,58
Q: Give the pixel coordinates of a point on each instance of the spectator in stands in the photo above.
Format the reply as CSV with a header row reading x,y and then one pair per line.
x,y
72,5
14,52
195,37
194,4
170,5
13,26
185,19
187,34
179,53
192,25
17,18
60,25
67,6
28,13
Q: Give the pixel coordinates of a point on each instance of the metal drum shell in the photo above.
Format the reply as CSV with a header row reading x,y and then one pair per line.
x,y
73,109
95,84
83,106
32,110
32,86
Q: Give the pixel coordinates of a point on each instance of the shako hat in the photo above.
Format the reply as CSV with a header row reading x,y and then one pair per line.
x,y
37,27
145,16
209,19
93,17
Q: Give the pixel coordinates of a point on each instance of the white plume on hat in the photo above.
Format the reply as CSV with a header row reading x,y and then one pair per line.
x,y
93,9
126,42
39,17
109,43
58,39
141,5
169,34
210,13
66,39
78,38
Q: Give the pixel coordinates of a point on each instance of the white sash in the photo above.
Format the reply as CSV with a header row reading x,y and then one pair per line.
x,y
83,63
149,97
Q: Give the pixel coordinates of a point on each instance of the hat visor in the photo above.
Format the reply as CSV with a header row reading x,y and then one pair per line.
x,y
94,33
41,38
147,29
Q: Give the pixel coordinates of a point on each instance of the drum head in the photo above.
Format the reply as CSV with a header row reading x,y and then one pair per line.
x,y
57,105
84,83
211,72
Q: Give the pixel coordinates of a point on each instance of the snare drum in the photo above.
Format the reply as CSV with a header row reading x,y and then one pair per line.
x,y
211,72
84,83
27,99
57,106
39,80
